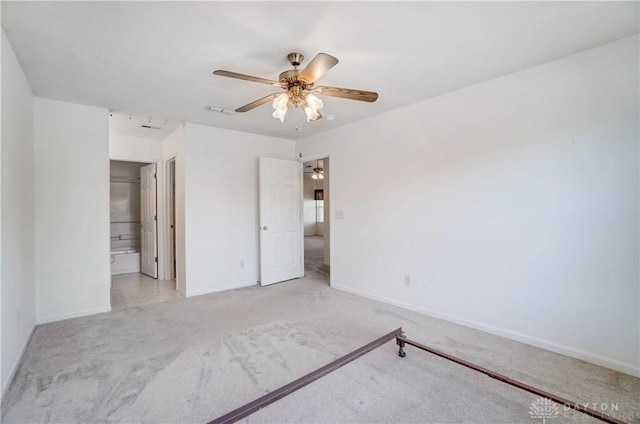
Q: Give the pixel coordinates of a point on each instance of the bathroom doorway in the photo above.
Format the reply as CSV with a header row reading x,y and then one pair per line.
x,y
134,242
125,214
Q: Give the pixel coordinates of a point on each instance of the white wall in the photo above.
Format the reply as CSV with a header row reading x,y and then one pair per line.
x,y
16,212
122,147
72,210
221,205
512,205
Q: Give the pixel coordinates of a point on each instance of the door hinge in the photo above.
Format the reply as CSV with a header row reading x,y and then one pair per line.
x,y
156,259
155,217
155,175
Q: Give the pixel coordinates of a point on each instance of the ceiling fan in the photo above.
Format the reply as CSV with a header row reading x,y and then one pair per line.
x,y
317,173
299,87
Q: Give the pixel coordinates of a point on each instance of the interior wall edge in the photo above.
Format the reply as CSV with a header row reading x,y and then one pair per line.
x,y
77,314
17,234
17,362
135,158
220,289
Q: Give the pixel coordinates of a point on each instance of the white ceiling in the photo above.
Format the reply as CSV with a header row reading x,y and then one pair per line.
x,y
141,125
157,58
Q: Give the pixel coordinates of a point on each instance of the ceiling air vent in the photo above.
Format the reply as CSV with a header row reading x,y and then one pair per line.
x,y
150,127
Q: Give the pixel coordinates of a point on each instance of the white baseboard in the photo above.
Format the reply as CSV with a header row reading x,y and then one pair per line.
x,y
53,318
219,289
16,363
583,355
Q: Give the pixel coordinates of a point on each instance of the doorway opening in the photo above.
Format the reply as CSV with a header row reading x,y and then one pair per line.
x,y
133,232
316,216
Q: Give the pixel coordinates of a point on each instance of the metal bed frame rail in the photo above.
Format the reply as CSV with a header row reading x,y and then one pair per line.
x,y
401,341
283,391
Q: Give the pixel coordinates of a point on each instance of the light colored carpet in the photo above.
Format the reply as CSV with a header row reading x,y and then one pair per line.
x,y
192,360
314,256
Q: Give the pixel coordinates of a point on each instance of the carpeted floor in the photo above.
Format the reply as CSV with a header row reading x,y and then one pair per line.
x,y
191,360
314,256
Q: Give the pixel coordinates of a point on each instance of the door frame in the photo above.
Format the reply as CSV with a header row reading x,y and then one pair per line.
x,y
170,212
327,211
161,209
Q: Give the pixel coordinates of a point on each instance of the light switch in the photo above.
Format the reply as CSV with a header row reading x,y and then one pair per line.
x,y
339,214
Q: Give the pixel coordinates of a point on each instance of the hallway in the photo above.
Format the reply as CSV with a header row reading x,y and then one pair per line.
x,y
314,256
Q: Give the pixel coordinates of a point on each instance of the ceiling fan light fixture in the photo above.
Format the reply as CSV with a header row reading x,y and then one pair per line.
x,y
311,114
298,85
312,106
280,104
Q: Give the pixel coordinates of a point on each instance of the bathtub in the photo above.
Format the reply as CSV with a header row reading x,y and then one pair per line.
x,y
125,260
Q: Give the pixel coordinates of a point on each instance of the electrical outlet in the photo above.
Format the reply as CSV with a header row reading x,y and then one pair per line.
x,y
407,281
242,263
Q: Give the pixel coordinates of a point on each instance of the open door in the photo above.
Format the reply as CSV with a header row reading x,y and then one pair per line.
x,y
280,220
148,221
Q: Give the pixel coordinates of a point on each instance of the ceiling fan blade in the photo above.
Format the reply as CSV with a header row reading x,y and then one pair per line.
x,y
347,93
259,102
317,67
245,77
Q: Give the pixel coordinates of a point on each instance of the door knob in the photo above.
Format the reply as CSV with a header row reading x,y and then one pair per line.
x,y
265,228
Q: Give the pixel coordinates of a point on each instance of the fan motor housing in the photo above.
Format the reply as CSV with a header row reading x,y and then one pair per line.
x,y
289,76
289,79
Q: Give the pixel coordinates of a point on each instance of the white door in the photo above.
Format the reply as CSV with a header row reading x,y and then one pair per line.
x,y
280,220
148,221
